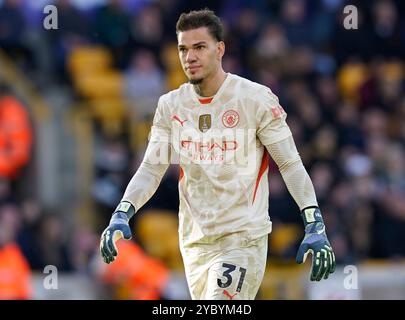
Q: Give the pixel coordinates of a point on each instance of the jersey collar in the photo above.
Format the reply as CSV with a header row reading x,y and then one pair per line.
x,y
204,100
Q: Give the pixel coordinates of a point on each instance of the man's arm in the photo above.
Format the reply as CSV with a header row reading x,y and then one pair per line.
x,y
296,178
142,186
275,134
300,186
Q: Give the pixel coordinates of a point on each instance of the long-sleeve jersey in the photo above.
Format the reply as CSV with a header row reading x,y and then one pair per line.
x,y
223,145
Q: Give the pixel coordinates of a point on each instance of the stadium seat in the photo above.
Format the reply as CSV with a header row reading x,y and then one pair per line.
x,y
88,59
350,77
102,84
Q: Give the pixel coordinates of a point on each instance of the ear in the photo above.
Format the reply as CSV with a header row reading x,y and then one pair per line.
x,y
221,49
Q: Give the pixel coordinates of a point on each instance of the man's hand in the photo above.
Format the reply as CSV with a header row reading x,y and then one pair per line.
x,y
316,243
117,229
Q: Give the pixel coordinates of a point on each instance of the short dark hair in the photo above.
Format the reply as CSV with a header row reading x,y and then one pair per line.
x,y
201,18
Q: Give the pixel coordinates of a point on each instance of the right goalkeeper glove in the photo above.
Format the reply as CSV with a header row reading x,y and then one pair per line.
x,y
317,243
117,229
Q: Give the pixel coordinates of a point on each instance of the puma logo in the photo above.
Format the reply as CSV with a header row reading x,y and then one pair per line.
x,y
322,230
229,295
175,117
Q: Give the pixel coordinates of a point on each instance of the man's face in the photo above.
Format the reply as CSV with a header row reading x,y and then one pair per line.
x,y
200,54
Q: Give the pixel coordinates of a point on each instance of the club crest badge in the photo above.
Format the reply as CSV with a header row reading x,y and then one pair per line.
x,y
204,122
230,119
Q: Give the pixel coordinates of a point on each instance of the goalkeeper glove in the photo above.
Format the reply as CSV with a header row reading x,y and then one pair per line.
x,y
316,243
118,228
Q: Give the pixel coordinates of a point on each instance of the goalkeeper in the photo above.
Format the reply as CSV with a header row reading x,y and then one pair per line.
x,y
222,129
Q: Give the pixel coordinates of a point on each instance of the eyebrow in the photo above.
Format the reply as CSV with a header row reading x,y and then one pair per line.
x,y
194,45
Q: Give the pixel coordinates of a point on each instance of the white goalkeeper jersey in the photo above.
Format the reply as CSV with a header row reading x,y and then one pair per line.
x,y
219,143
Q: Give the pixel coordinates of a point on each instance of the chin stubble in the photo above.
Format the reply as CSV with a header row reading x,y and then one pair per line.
x,y
196,81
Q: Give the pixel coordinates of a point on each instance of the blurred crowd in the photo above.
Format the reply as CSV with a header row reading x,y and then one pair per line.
x,y
343,91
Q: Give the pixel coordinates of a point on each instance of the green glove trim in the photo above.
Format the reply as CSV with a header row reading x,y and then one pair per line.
x,y
127,208
311,215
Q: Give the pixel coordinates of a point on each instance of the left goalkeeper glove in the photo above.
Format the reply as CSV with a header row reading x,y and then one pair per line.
x,y
118,228
317,243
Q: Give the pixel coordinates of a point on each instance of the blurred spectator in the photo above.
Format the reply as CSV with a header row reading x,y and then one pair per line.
x,y
71,21
387,30
324,144
45,244
73,29
349,131
352,43
12,27
323,23
384,84
112,27
83,243
310,113
323,179
294,20
244,30
233,64
375,123
147,28
15,273
6,191
112,161
328,94
134,275
144,83
272,42
15,135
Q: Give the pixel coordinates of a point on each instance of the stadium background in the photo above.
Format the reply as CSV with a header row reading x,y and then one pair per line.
x,y
90,88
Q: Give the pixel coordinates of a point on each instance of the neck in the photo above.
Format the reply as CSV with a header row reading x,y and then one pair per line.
x,y
210,86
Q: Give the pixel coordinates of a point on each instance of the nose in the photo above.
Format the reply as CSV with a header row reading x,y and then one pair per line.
x,y
190,57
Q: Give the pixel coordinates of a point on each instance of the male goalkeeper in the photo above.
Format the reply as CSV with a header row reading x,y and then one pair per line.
x,y
221,129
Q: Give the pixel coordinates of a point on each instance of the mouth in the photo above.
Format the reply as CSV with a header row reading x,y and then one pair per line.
x,y
193,68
